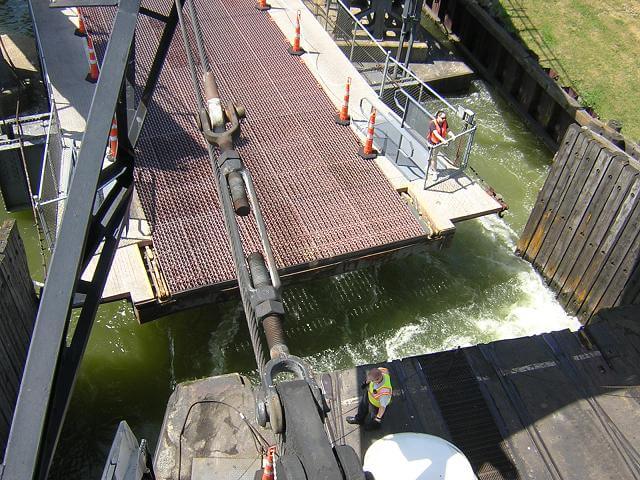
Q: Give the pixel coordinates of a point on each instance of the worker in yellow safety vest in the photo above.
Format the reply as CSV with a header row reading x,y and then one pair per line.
x,y
375,399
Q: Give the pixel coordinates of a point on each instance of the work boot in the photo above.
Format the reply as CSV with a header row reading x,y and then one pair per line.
x,y
353,420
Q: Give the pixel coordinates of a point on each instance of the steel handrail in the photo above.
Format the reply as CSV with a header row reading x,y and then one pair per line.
x,y
386,137
423,84
387,53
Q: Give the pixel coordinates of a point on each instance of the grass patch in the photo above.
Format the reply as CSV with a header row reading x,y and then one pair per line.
x,y
593,98
595,49
547,35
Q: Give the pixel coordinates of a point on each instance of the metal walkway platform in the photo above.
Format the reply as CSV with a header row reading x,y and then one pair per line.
x,y
326,209
322,203
557,405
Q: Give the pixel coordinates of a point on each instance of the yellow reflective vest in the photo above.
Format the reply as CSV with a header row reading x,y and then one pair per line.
x,y
384,390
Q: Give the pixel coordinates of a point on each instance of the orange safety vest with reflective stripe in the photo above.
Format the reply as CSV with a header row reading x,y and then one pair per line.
x,y
441,129
384,390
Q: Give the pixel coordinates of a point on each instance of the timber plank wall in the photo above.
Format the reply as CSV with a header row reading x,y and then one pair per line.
x,y
583,234
18,308
516,73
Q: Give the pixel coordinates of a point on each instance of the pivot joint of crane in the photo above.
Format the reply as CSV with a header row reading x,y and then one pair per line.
x,y
216,133
269,406
212,121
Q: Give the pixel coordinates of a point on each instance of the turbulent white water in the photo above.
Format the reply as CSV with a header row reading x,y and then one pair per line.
x,y
518,305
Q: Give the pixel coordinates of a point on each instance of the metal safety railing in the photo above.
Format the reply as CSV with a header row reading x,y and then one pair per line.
x,y
391,79
48,199
390,147
451,156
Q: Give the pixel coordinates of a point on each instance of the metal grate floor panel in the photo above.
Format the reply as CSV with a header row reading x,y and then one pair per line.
x,y
467,415
320,200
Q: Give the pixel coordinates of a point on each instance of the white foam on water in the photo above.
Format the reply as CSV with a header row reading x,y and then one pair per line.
x,y
521,306
497,229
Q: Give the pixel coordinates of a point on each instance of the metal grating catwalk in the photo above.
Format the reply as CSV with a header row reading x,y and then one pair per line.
x,y
319,199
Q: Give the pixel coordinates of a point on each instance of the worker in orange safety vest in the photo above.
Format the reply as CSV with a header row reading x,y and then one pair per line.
x,y
438,134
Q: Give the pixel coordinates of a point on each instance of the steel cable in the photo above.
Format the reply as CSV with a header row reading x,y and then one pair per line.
x,y
243,282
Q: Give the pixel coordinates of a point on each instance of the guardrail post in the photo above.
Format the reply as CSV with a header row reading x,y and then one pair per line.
x,y
327,8
353,41
468,149
406,108
384,75
399,147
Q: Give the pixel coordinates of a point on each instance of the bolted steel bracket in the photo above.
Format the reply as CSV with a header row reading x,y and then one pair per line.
x,y
229,161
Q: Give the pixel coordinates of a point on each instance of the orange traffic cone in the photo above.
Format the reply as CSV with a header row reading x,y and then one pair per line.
x,y
92,76
367,151
296,49
81,31
113,139
267,471
343,117
263,6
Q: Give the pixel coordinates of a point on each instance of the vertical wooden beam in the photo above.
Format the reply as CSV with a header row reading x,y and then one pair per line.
x,y
18,307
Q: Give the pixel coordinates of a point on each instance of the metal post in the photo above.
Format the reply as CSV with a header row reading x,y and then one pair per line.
x,y
25,456
467,153
410,46
154,74
384,75
406,108
130,81
353,41
327,8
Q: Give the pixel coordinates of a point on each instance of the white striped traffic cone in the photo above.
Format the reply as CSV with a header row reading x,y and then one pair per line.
x,y
367,151
94,71
267,471
113,139
296,49
343,117
81,31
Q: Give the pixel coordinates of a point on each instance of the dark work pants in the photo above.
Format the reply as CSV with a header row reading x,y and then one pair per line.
x,y
366,412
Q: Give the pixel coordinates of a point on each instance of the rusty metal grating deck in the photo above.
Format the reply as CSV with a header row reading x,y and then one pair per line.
x,y
320,200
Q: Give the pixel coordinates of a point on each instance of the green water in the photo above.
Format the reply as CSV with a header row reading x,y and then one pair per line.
x,y
475,291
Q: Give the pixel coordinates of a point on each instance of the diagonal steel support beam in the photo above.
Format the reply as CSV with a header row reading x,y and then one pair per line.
x,y
154,74
24,458
72,355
